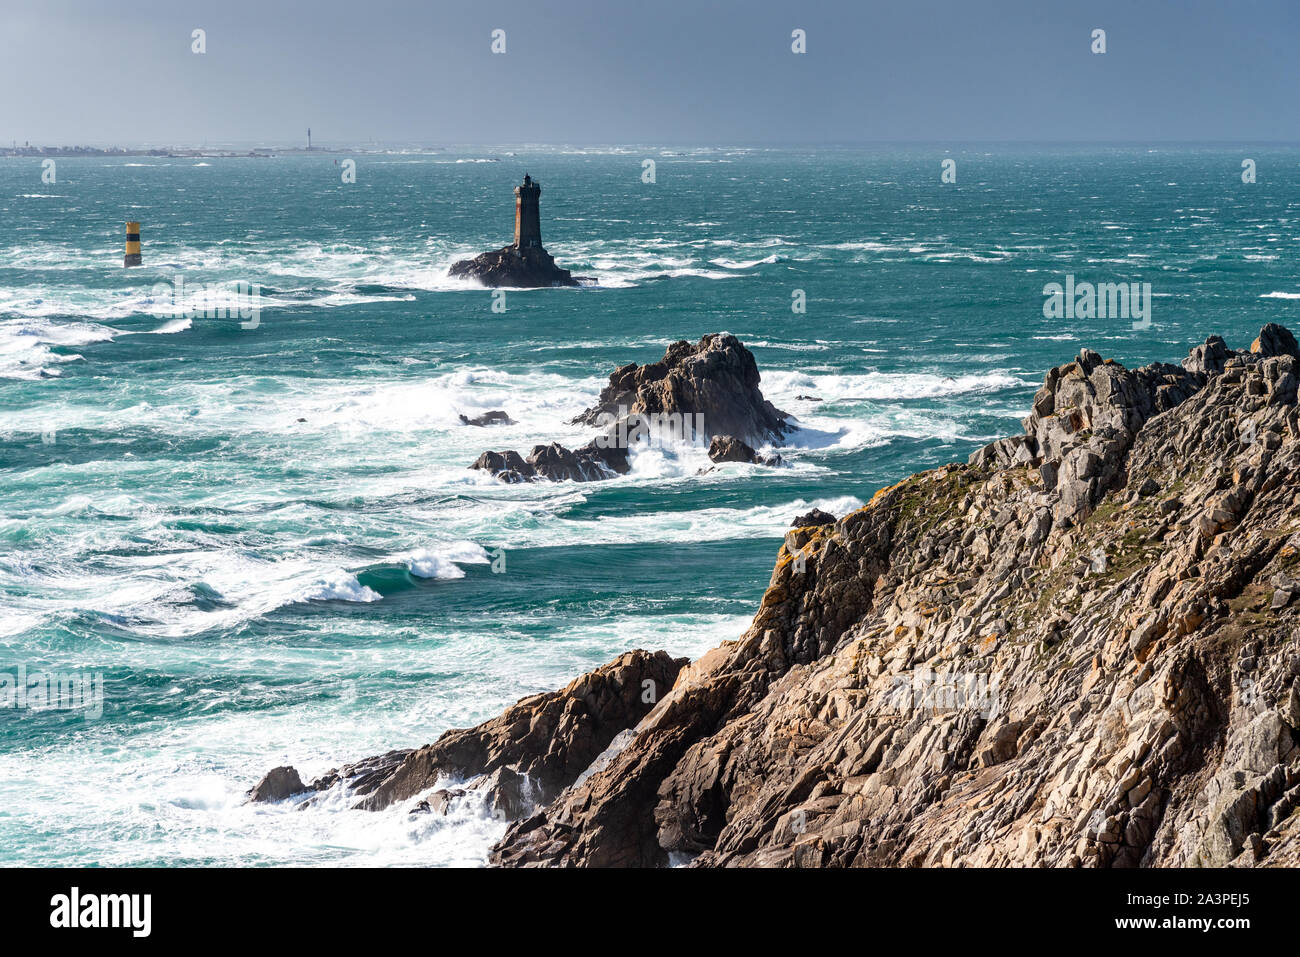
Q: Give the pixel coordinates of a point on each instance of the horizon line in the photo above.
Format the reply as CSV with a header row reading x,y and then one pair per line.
x,y
391,144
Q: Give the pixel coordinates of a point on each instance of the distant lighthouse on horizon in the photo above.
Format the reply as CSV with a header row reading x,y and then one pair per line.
x,y
309,137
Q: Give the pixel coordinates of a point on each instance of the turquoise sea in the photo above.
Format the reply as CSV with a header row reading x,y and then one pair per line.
x,y
268,543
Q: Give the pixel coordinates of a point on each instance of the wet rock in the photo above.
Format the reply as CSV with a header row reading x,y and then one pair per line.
x,y
278,784
554,462
589,463
715,378
439,802
506,792
724,448
508,466
549,739
496,417
363,776
695,391
527,268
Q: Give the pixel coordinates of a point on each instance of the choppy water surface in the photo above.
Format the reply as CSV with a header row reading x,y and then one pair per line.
x,y
267,539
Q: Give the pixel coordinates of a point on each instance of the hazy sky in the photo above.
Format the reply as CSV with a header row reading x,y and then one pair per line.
x,y
647,71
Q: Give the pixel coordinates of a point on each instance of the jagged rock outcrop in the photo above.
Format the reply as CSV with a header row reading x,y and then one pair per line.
x,y
816,517
591,463
1078,649
715,378
278,784
527,268
539,746
706,390
726,448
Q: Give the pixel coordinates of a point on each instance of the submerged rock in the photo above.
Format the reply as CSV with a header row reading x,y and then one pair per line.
x,y
496,417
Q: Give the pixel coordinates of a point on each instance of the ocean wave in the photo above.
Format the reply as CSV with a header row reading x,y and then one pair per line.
x,y
445,562
339,586
737,264
183,781
883,386
305,274
825,433
170,328
27,346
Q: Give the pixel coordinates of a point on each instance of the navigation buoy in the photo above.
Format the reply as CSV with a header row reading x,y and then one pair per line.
x,y
132,245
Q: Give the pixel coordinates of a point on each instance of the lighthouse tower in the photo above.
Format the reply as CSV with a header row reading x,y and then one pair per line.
x,y
528,217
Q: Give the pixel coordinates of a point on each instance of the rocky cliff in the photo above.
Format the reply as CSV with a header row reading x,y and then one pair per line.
x,y
1077,649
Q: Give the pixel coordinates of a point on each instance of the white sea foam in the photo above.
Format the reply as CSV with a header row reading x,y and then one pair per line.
x,y
27,345
750,264
181,782
445,562
885,385
339,586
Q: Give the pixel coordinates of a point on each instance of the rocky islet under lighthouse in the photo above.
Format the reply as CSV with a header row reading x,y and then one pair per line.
x,y
524,263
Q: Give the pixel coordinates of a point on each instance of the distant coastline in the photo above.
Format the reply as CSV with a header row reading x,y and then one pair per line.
x,y
195,152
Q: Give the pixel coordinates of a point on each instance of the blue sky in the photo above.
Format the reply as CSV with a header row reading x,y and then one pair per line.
x,y
661,72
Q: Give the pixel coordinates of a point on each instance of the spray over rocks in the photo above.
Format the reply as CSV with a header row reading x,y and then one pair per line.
x,y
706,392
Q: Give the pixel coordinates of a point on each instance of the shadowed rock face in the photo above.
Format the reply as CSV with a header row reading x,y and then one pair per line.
x,y
527,268
530,753
710,389
1078,649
